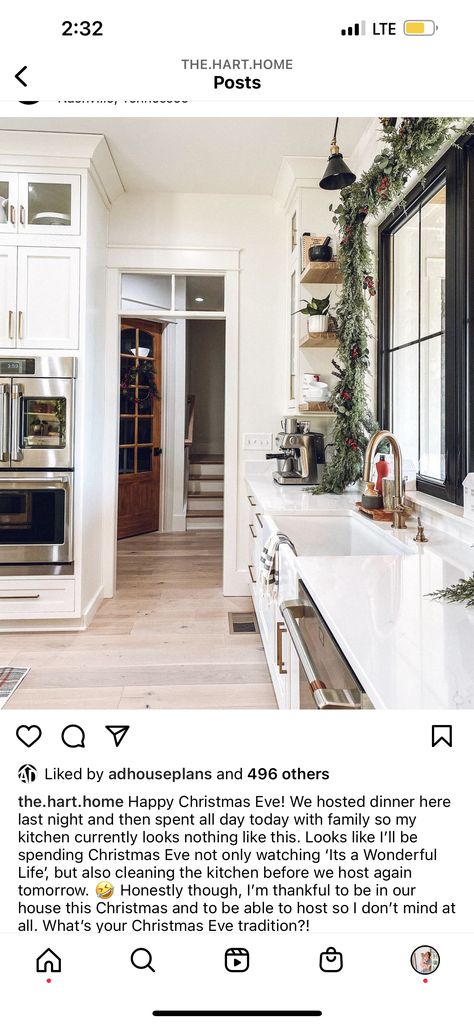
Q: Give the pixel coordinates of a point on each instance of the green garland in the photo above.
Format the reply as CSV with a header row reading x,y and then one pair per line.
x,y
463,591
410,146
143,375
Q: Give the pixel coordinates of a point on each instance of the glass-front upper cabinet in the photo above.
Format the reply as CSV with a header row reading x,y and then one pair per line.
x,y
41,204
8,201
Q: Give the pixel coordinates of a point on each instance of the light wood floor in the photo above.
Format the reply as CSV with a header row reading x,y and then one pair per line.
x,y
162,642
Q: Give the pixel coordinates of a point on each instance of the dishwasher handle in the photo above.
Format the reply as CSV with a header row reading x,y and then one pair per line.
x,y
324,697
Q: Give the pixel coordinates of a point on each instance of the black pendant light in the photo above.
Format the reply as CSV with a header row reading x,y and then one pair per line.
x,y
337,174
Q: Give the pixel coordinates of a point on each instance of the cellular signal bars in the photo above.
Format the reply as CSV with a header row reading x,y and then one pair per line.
x,y
354,30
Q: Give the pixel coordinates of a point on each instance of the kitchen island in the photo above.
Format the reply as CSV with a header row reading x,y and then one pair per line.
x,y
406,650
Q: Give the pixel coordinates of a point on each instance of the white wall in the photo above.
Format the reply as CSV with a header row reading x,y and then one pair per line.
x,y
205,375
256,226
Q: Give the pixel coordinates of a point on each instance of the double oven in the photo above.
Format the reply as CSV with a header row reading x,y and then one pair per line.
x,y
36,460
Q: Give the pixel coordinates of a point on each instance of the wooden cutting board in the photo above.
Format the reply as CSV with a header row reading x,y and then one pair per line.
x,y
384,515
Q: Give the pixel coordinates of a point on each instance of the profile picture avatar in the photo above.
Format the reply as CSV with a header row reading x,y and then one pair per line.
x,y
425,960
27,773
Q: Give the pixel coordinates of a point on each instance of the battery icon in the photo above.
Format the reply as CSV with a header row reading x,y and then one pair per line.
x,y
419,28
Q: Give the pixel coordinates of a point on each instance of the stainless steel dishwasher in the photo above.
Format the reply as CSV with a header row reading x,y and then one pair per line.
x,y
326,680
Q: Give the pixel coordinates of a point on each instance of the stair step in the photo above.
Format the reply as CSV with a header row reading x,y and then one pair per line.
x,y
200,495
206,470
204,514
196,458
209,476
206,486
204,523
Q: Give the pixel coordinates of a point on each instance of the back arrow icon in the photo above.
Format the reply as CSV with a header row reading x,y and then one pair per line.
x,y
19,74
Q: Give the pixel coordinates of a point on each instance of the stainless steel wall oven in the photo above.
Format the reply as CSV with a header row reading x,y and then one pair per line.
x,y
36,460
37,412
36,518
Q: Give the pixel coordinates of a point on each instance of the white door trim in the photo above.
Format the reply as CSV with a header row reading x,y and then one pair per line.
x,y
190,261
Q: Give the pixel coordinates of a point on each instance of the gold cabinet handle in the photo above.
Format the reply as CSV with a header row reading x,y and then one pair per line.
x,y
253,579
280,630
22,215
252,530
12,214
259,518
20,324
10,323
252,503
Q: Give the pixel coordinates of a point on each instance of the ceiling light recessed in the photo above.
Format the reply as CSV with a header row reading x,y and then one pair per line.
x,y
199,299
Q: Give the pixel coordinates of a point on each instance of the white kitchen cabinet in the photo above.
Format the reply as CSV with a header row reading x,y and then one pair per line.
x,y
272,628
8,265
8,202
36,597
47,309
40,204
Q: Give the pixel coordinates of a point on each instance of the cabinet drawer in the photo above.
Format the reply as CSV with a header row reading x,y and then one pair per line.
x,y
36,599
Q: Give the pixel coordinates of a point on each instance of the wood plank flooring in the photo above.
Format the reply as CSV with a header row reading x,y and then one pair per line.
x,y
162,642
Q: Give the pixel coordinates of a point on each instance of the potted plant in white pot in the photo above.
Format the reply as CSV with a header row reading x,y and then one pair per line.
x,y
317,311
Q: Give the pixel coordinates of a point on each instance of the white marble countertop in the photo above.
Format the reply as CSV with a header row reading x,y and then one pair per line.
x,y
407,650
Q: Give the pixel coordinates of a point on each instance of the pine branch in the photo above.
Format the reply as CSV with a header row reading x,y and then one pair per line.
x,y
463,591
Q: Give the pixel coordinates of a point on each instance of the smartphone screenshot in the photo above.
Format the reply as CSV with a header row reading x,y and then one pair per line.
x,y
236,489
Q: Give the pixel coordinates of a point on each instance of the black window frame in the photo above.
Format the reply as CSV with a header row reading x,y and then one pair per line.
x,y
456,168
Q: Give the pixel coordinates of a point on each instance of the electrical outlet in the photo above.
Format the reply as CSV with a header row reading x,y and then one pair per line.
x,y
258,442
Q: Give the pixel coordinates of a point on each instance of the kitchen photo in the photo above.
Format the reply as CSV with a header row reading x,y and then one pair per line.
x,y
236,413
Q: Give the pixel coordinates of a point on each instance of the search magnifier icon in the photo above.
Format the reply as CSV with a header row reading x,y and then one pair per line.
x,y
141,958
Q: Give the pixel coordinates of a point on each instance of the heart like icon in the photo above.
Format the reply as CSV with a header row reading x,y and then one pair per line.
x,y
28,735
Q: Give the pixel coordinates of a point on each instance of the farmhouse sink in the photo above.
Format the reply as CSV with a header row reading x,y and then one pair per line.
x,y
338,535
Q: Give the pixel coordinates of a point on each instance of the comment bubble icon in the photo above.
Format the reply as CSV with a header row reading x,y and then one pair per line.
x,y
73,736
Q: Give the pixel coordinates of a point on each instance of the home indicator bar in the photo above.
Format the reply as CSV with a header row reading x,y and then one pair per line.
x,y
237,1014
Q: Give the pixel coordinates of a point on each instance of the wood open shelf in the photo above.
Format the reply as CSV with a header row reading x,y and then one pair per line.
x,y
316,409
317,273
308,412
319,340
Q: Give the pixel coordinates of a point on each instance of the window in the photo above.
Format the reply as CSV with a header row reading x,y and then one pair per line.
x,y
423,343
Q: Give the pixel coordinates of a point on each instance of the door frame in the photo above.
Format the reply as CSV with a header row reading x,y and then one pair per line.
x,y
141,323
153,259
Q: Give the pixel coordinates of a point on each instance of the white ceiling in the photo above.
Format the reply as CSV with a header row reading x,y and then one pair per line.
x,y
223,155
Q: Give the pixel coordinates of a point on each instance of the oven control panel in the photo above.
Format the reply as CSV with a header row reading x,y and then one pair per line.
x,y
15,367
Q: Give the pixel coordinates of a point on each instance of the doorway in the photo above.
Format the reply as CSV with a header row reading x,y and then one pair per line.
x,y
154,260
140,428
205,435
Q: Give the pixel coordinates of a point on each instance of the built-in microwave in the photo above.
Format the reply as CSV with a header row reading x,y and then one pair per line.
x,y
36,518
37,412
326,680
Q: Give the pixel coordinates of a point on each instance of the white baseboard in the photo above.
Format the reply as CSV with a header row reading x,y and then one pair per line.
x,y
179,523
92,608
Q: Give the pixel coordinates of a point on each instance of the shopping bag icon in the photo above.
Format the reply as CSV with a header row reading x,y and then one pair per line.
x,y
330,960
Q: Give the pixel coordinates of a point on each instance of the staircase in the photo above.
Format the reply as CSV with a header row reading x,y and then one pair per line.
x,y
205,496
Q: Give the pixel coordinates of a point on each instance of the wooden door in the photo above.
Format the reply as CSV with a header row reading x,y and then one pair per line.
x,y
140,428
48,298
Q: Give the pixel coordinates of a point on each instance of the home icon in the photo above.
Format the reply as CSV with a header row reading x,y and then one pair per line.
x,y
48,961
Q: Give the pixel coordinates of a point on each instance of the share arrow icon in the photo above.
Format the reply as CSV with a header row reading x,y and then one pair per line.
x,y
118,733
